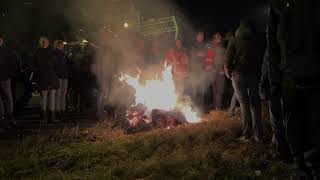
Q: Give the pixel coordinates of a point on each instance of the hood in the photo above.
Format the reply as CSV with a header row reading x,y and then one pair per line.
x,y
244,32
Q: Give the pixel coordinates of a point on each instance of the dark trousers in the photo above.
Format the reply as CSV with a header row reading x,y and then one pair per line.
x,y
246,88
301,110
279,139
217,91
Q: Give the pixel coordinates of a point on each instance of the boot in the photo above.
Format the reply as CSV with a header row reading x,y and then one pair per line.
x,y
52,117
43,117
62,113
4,123
11,120
58,116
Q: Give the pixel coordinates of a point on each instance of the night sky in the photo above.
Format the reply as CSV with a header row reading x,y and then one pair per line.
x,y
206,15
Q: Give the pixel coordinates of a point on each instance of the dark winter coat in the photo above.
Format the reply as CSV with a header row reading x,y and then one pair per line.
x,y
293,33
62,64
242,53
46,69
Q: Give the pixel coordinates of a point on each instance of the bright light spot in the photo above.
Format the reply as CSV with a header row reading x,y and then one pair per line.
x,y
84,41
160,94
125,25
64,43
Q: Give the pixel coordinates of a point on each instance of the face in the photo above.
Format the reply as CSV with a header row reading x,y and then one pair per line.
x,y
44,42
60,46
178,44
200,37
1,42
217,39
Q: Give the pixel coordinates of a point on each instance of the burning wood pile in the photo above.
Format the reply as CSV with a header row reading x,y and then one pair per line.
x,y
157,104
140,119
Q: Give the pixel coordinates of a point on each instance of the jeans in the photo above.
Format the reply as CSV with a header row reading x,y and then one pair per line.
x,y
47,100
61,95
6,104
279,139
246,88
233,104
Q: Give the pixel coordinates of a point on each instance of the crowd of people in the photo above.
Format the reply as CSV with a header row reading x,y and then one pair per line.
x,y
272,72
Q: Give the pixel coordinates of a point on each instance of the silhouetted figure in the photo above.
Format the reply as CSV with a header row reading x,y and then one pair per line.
x,y
62,64
279,140
242,65
6,100
47,79
293,35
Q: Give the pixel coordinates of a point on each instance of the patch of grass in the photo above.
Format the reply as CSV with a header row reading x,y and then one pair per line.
x,y
208,150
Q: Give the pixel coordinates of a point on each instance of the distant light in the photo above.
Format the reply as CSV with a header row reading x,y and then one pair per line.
x,y
125,25
64,43
84,41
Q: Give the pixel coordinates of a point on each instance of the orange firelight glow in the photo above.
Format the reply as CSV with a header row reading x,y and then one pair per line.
x,y
160,94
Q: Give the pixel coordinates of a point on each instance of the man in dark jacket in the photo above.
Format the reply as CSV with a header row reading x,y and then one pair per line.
x,y
6,104
293,34
242,65
279,140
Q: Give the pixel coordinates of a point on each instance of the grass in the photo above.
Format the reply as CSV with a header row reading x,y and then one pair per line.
x,y
209,150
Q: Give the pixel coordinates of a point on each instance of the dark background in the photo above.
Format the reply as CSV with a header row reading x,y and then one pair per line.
x,y
26,20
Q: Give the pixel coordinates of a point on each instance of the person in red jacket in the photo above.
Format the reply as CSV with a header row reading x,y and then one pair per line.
x,y
213,65
178,59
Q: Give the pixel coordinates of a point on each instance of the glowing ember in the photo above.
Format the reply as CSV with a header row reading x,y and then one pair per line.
x,y
160,94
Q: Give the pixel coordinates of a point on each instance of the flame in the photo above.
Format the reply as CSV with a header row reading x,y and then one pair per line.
x,y
160,94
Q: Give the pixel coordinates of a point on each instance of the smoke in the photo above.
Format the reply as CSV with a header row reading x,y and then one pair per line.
x,y
122,48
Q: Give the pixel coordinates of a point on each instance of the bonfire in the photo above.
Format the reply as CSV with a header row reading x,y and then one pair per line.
x,y
157,104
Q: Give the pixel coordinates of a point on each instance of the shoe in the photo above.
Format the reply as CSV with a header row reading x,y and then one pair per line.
x,y
257,140
244,139
4,123
52,117
231,114
43,117
58,116
298,174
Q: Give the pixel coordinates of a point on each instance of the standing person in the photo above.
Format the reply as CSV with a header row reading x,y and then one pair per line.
x,y
197,84
242,65
48,82
228,36
214,67
63,75
155,59
6,104
279,140
105,69
293,35
178,58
